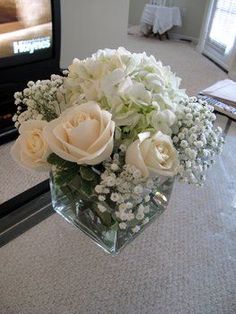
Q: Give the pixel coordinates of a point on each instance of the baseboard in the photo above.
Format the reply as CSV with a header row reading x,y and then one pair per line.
x,y
183,37
174,36
215,58
232,75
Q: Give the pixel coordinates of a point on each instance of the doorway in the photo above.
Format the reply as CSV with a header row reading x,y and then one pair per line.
x,y
221,32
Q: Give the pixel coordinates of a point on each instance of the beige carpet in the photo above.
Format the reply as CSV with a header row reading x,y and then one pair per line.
x,y
196,71
184,263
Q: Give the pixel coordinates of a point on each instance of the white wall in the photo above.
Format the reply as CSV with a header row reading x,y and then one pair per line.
x,y
135,11
88,25
232,68
193,12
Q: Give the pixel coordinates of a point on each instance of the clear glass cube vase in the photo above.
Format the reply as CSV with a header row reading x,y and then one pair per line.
x,y
104,228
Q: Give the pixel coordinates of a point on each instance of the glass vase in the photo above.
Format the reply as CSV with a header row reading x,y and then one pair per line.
x,y
81,210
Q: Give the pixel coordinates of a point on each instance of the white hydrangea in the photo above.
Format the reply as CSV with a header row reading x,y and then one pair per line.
x,y
139,91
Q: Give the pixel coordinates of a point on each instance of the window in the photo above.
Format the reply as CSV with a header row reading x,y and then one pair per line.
x,y
223,26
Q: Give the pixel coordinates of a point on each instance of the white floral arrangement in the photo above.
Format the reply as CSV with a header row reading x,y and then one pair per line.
x,y
121,120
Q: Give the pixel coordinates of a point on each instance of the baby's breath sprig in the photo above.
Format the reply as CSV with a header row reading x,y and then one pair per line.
x,y
40,100
124,186
196,139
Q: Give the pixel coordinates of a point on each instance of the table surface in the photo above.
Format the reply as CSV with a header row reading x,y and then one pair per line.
x,y
183,263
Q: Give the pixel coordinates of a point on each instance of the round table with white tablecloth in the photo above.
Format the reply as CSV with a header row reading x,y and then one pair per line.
x,y
159,19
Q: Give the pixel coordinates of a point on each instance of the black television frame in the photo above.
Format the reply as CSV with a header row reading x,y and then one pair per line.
x,y
15,77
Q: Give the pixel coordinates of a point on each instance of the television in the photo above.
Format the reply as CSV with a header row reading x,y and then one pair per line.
x,y
30,35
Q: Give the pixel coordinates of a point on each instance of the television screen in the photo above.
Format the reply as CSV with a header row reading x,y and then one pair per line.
x,y
25,30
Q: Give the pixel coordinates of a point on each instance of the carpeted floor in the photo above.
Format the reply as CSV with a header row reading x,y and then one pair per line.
x,y
196,71
183,263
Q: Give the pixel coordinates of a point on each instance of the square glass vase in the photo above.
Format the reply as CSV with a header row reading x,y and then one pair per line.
x,y
103,228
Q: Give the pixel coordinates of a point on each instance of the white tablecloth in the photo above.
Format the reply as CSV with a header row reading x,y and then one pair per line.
x,y
161,19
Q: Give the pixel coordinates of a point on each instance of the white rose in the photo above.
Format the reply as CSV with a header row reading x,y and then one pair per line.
x,y
30,149
153,154
82,134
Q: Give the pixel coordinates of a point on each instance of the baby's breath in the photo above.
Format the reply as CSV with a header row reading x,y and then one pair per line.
x,y
196,140
41,100
128,190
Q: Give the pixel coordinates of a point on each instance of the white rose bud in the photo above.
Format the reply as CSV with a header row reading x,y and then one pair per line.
x,y
153,155
31,149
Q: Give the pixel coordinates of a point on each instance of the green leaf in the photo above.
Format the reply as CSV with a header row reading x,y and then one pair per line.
x,y
87,173
115,226
55,160
134,223
83,188
70,195
75,183
67,191
66,175
114,217
105,217
86,188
